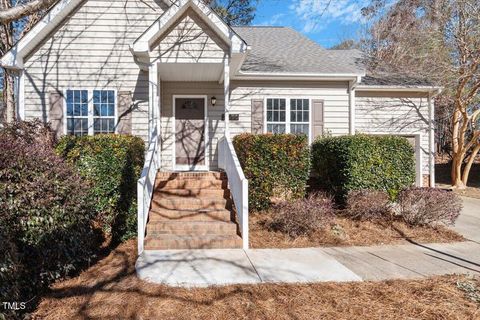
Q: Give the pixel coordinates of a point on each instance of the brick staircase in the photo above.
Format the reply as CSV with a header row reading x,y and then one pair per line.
x,y
191,210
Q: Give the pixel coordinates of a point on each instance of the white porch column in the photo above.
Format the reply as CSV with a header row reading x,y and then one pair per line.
x,y
226,92
153,106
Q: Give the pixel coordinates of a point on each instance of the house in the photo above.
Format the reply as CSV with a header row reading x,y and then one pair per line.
x,y
186,82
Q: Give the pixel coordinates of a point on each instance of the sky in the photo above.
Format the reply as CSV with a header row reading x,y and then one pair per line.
x,y
327,22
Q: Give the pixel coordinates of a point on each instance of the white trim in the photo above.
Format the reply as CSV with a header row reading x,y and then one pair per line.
x,y
431,141
206,166
90,117
241,75
351,109
399,88
288,110
14,57
418,151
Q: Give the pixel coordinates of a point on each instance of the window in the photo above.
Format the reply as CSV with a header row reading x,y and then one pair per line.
x,y
299,116
276,115
103,111
90,112
298,121
77,112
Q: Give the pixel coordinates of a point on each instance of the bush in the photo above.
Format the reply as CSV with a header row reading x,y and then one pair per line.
x,y
45,215
367,205
429,206
112,164
358,162
303,216
277,166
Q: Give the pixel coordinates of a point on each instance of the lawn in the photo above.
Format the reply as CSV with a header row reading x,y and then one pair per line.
x,y
110,290
347,232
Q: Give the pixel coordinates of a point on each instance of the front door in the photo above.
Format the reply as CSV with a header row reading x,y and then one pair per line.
x,y
190,152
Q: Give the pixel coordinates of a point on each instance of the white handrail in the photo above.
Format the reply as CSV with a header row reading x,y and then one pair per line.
x,y
146,186
228,161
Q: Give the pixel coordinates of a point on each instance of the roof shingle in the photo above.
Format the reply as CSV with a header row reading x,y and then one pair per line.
x,y
284,50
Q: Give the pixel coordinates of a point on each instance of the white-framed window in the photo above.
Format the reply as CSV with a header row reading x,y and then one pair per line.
x,y
276,115
90,111
103,111
77,112
288,115
300,116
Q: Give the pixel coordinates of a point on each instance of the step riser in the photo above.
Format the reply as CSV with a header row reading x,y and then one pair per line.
x,y
163,215
153,230
191,184
155,244
192,193
189,204
191,175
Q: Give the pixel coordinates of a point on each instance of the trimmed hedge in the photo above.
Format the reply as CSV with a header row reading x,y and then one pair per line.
x,y
46,230
346,163
277,166
112,164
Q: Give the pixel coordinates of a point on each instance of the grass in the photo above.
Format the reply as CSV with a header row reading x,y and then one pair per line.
x,y
346,232
110,290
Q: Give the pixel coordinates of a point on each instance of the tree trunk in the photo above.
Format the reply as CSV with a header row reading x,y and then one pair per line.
x,y
8,96
456,173
468,166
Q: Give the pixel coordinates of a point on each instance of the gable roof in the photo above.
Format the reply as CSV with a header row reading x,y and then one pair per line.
x,y
284,50
143,44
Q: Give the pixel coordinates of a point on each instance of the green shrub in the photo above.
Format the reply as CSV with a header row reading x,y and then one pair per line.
x,y
346,163
276,166
46,230
112,164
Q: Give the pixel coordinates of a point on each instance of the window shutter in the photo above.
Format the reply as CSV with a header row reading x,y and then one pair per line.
x,y
257,116
124,109
55,112
317,118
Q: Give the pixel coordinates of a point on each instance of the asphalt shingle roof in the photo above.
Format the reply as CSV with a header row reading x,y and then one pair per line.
x,y
284,50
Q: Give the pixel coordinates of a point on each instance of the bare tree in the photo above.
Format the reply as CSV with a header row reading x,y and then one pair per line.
x,y
437,41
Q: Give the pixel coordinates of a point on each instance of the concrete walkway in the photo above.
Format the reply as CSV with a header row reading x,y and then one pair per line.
x,y
199,268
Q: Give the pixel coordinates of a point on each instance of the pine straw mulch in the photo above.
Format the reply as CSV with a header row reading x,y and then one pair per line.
x,y
346,232
111,290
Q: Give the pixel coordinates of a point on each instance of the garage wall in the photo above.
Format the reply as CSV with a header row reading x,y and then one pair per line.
x,y
397,113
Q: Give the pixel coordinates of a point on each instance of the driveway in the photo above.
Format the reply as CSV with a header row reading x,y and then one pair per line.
x,y
468,224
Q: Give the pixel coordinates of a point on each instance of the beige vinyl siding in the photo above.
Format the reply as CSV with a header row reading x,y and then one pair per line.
x,y
334,95
214,113
391,112
191,40
90,50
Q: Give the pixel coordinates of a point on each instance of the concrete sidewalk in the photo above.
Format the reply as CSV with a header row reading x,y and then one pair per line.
x,y
200,268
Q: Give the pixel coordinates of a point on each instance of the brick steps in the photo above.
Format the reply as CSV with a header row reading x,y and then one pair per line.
x,y
171,242
193,192
191,228
191,210
190,215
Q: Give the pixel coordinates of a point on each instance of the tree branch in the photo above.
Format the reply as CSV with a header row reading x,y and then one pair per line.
x,y
22,10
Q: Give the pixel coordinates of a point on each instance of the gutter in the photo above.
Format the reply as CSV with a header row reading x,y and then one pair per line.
x,y
242,75
431,89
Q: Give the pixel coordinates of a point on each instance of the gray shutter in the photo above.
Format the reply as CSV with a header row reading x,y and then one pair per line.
x,y
124,110
317,118
55,112
257,116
